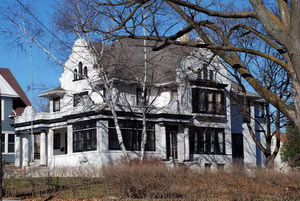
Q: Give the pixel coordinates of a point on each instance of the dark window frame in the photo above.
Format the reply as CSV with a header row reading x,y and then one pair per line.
x,y
132,136
85,71
205,139
11,142
259,106
57,99
85,136
202,104
77,98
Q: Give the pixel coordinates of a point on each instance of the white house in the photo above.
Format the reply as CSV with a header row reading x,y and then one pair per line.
x,y
13,102
192,118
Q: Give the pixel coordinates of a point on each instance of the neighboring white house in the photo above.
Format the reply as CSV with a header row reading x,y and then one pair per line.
x,y
13,102
193,120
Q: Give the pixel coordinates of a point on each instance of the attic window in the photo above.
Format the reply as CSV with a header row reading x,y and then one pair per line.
x,y
85,72
80,70
75,74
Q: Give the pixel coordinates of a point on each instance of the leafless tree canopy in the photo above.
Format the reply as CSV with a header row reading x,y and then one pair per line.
x,y
235,31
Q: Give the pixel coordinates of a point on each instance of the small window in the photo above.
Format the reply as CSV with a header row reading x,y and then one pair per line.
x,y
75,74
174,95
78,97
11,143
259,110
205,73
85,71
56,104
139,100
56,141
211,74
80,70
3,143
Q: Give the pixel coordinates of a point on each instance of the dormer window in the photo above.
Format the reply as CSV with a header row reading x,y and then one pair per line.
x,y
85,72
56,104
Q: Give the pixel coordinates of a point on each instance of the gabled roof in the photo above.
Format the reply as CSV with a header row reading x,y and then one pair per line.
x,y
10,79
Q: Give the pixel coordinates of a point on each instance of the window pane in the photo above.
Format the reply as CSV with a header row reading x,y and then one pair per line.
x,y
11,148
11,138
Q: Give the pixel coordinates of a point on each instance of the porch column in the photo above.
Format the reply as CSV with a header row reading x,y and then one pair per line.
x,y
180,143
70,139
43,160
160,130
25,147
186,143
18,150
50,146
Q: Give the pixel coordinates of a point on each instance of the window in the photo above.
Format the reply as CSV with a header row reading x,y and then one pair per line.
x,y
259,110
174,95
11,143
84,136
78,97
3,143
132,135
80,70
56,142
207,140
56,104
139,97
207,101
85,71
245,111
75,74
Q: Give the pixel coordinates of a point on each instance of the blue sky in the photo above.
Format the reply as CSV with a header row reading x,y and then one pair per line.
x,y
45,71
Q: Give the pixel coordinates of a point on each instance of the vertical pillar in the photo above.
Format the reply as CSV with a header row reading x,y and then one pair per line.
x,y
70,139
43,151
180,143
50,146
161,145
102,135
18,150
186,143
25,161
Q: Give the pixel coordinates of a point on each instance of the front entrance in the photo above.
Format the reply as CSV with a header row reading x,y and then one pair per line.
x,y
237,148
171,140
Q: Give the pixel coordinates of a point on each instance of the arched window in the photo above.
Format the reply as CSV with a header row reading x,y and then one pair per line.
x,y
85,71
80,69
75,74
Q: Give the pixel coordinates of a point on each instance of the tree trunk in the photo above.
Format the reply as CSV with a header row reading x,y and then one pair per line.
x,y
119,133
144,136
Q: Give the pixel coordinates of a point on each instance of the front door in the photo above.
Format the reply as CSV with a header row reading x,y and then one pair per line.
x,y
171,140
237,148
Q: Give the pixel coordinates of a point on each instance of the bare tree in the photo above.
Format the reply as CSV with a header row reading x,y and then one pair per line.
x,y
170,19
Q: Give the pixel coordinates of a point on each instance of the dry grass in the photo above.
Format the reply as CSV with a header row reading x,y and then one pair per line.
x,y
152,179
